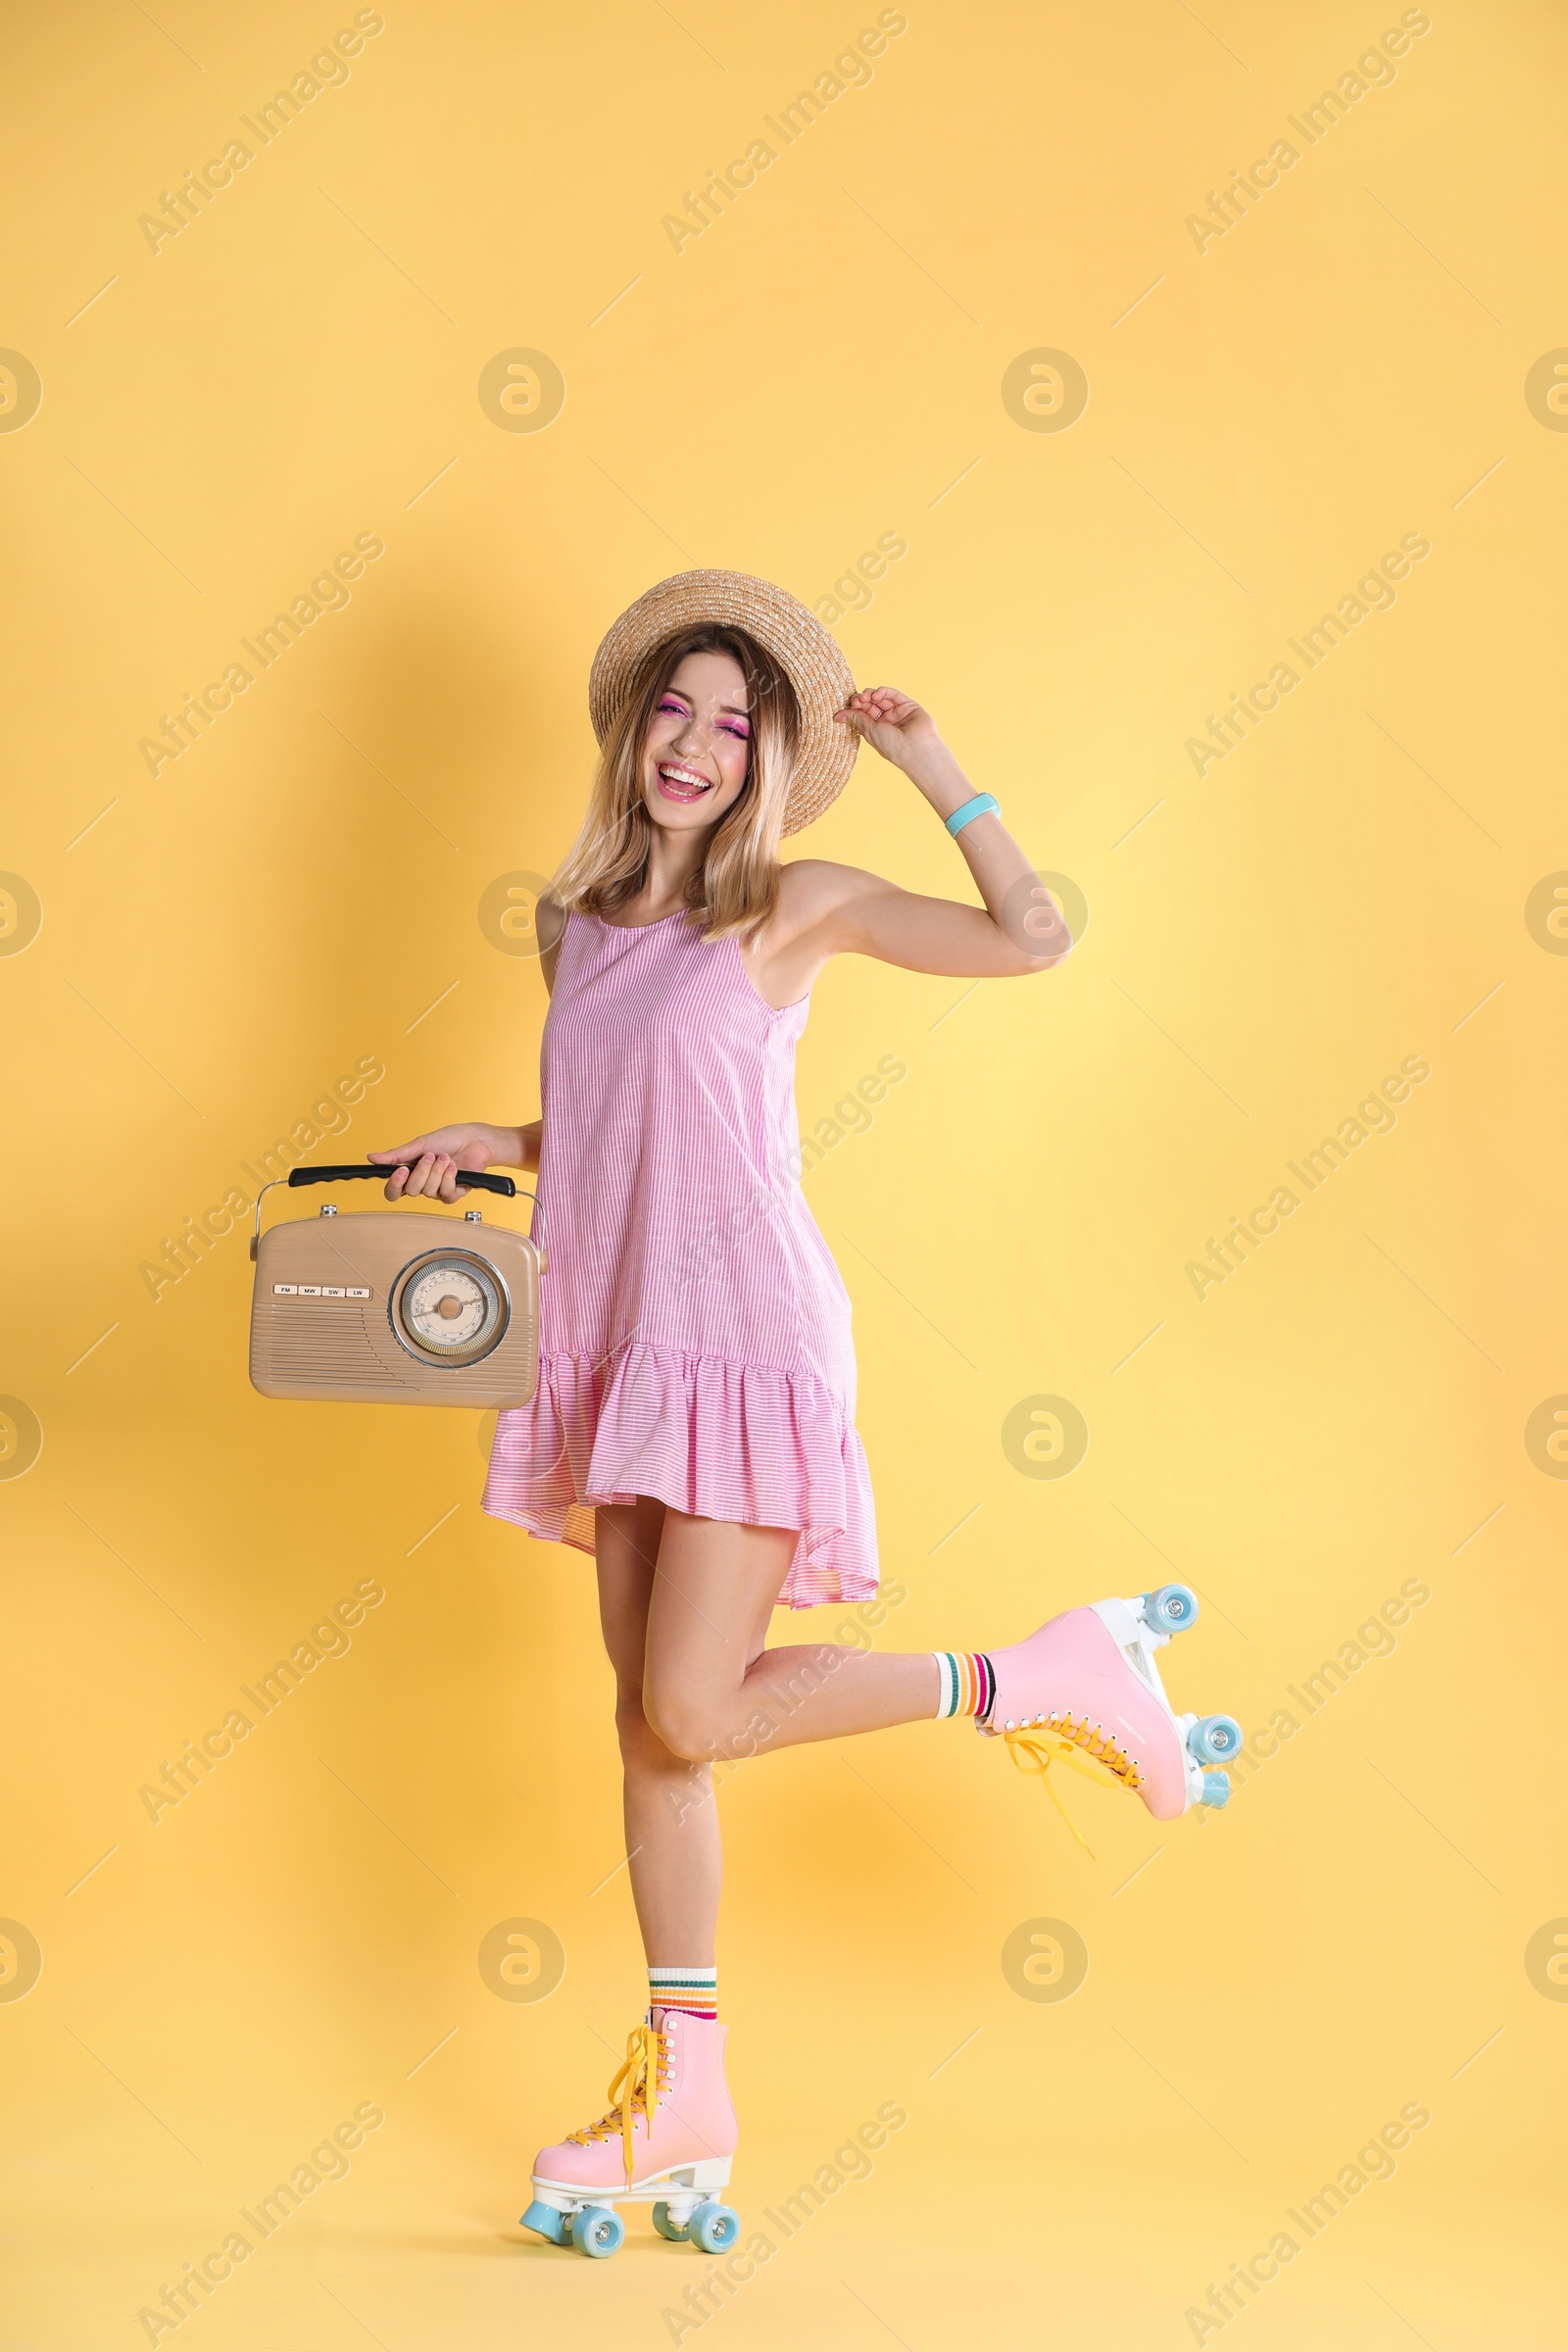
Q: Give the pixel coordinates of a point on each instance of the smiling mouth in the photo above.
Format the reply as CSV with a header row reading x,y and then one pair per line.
x,y
682,783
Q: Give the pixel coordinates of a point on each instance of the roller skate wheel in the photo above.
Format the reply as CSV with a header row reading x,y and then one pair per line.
x,y
1170,1609
550,2221
713,2227
1216,1789
1215,1738
665,2227
597,2230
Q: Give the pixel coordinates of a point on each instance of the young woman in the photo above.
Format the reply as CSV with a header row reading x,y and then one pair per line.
x,y
694,1420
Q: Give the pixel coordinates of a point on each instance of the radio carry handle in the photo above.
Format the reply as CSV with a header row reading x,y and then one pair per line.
x,y
469,1180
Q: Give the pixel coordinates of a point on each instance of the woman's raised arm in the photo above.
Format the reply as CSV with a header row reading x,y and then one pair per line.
x,y
837,909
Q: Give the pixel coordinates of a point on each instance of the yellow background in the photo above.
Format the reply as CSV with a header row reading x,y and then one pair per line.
x,y
821,367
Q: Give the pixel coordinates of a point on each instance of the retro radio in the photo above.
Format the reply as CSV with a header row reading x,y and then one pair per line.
x,y
395,1305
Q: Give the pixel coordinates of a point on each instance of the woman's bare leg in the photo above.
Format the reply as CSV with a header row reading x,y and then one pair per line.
x,y
672,1844
685,1605
711,1689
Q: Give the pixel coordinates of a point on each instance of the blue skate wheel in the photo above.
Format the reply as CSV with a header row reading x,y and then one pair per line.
x,y
550,2221
713,2227
1215,1738
1216,1789
1170,1609
598,2230
664,2225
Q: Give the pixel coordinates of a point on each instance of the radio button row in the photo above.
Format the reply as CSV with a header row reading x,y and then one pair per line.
x,y
316,1290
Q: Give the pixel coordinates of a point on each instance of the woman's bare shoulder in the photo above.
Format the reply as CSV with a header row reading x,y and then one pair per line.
x,y
810,888
549,921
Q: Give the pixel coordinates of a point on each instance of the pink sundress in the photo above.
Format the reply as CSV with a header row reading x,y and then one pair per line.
x,y
695,1332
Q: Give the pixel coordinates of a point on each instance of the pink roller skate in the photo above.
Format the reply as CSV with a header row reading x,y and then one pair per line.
x,y
1084,1691
666,2140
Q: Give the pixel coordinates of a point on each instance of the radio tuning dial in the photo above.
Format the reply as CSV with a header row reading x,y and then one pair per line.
x,y
450,1308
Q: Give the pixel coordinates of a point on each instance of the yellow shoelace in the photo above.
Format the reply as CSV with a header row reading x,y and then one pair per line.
x,y
637,2084
1083,1745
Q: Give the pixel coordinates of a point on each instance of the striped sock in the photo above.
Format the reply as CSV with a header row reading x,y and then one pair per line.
x,y
967,1683
694,1989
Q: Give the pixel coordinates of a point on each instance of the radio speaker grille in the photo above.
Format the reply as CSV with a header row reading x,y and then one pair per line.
x,y
320,1336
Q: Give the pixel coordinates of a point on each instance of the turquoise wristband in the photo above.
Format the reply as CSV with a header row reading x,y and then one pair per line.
x,y
983,805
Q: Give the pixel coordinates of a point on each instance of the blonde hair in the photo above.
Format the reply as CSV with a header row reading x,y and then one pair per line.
x,y
736,885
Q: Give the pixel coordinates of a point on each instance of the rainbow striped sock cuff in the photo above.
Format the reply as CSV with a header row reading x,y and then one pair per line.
x,y
967,1683
694,1989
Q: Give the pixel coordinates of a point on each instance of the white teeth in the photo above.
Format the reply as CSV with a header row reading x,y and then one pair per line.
x,y
683,775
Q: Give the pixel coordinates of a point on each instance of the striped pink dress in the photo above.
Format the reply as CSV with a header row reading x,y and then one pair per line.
x,y
695,1332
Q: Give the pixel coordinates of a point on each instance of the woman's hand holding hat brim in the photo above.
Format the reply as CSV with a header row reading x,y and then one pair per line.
x,y
891,722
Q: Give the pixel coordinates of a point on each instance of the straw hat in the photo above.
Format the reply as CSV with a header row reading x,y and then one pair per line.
x,y
803,648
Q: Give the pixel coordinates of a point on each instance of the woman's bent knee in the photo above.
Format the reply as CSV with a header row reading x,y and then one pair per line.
x,y
684,1724
652,1741
641,1747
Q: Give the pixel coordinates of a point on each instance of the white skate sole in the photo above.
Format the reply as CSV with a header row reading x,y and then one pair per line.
x,y
1138,1638
682,2184
682,2198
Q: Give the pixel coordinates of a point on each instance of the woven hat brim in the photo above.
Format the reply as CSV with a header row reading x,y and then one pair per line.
x,y
789,630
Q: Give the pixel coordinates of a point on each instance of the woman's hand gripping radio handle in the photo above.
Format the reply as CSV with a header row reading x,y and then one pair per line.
x,y
435,1166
